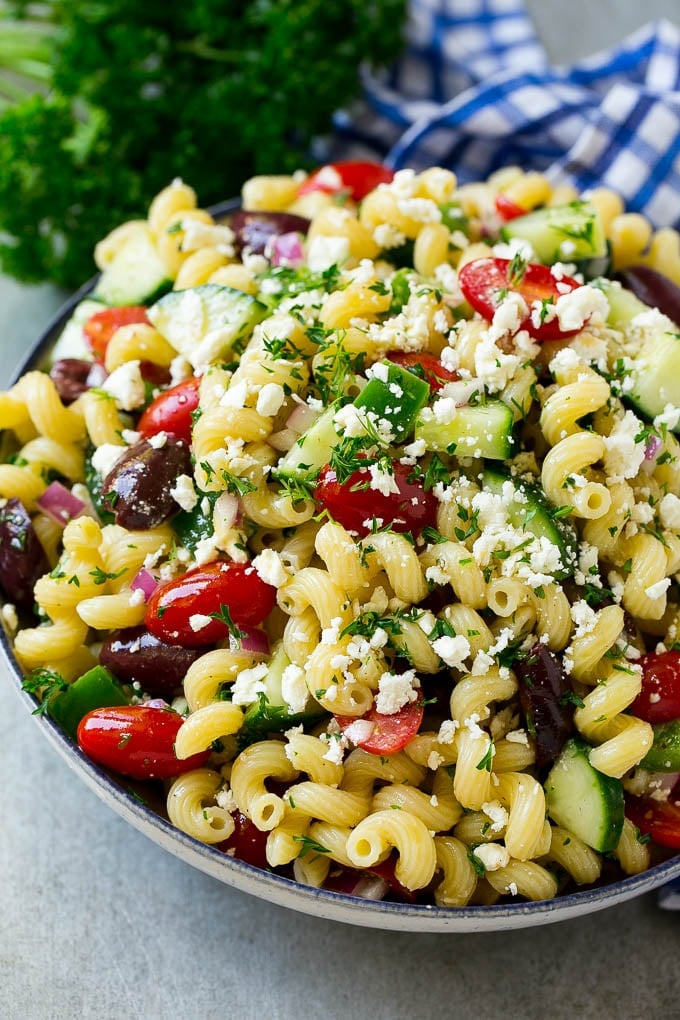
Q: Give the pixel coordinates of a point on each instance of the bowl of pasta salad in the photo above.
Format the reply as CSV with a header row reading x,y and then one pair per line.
x,y
340,542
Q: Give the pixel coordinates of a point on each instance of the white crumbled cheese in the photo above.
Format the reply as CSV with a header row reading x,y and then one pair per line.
x,y
669,512
199,621
105,457
435,760
494,810
652,319
206,551
587,571
324,252
452,650
424,210
492,366
126,386
447,731
492,855
378,371
270,399
659,588
207,235
184,493
382,480
236,395
623,456
180,369
512,888
159,440
248,684
137,597
642,513
584,618
271,568
514,246
517,737
508,316
336,749
293,688
396,690
440,321
565,361
9,617
585,304
359,731
225,800
387,236
416,449
436,575
130,437
669,417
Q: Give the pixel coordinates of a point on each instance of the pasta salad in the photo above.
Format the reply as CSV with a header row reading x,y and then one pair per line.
x,y
352,524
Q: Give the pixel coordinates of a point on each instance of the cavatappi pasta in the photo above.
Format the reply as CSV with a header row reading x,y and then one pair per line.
x,y
443,517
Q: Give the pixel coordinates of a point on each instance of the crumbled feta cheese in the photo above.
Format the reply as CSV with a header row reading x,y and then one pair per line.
x,y
492,855
435,760
585,304
184,493
293,688
359,731
198,621
452,650
248,684
382,480
396,690
159,440
584,618
424,210
180,369
105,457
270,399
494,810
324,252
517,737
623,456
137,597
9,617
659,588
271,568
126,386
669,512
669,417
207,235
387,236
447,731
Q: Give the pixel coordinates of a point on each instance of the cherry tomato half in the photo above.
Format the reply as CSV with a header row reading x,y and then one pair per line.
x,y
101,326
171,411
191,610
391,733
659,819
507,209
659,699
136,741
246,842
484,281
349,880
353,503
357,177
425,365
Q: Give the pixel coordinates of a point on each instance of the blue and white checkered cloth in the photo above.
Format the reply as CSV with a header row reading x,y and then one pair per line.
x,y
475,92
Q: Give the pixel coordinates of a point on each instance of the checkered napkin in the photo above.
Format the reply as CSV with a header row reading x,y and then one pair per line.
x,y
475,92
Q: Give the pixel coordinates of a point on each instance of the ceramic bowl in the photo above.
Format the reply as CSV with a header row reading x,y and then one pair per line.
x,y
284,891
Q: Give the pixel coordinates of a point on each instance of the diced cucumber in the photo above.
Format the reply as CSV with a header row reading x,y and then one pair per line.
x,y
395,395
94,483
655,375
192,526
583,800
71,342
136,276
204,323
531,510
664,754
623,304
312,451
271,714
482,430
561,233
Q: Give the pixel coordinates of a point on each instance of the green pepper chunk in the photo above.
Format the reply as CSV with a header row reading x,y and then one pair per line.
x,y
98,688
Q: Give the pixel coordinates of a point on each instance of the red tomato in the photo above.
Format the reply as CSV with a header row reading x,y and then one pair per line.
x,y
484,281
136,741
659,699
391,732
101,326
659,819
507,209
410,509
206,592
355,176
247,842
171,411
425,365
348,881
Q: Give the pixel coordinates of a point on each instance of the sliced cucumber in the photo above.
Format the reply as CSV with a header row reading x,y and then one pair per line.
x,y
396,396
655,375
561,233
193,526
484,430
71,342
623,305
271,714
94,483
136,276
531,510
583,800
312,451
664,754
204,323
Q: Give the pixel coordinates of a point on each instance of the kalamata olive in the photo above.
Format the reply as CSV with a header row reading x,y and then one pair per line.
x,y
135,655
654,289
22,557
137,489
254,229
73,376
544,696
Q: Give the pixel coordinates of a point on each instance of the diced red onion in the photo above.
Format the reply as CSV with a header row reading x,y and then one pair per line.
x,y
60,504
652,447
370,887
228,509
287,250
144,581
301,418
155,703
253,640
283,440
97,375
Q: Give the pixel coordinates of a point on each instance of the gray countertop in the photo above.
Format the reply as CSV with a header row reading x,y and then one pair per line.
x,y
96,921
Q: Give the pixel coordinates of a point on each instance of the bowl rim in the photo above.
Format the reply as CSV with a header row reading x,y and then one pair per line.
x,y
386,915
